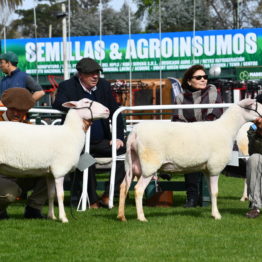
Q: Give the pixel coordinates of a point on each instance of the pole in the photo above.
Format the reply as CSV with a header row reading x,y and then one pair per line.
x,y
36,51
66,75
4,39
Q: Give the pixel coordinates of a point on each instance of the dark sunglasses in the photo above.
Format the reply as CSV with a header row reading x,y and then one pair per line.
x,y
200,77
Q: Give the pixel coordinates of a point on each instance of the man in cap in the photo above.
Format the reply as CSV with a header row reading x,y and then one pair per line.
x,y
16,78
254,167
87,83
18,101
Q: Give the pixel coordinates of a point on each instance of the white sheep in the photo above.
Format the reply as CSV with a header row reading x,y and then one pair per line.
x,y
52,151
183,148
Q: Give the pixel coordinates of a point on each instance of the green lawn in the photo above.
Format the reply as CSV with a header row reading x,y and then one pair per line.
x,y
171,234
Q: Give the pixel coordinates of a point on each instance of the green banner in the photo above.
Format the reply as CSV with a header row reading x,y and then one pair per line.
x,y
142,52
249,73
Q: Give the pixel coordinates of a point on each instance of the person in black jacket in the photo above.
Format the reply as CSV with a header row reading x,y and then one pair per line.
x,y
88,84
254,166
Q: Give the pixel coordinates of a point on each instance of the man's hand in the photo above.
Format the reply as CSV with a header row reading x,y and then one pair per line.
x,y
120,143
258,123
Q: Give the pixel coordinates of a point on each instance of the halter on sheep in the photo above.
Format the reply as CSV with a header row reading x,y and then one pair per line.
x,y
185,147
52,151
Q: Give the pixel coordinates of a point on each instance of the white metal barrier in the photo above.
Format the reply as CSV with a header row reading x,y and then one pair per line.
x,y
143,108
84,196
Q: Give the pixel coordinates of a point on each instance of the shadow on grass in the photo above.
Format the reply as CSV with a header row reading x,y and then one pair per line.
x,y
234,211
161,212
230,198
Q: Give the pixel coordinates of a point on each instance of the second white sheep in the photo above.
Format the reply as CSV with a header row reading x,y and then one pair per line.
x,y
183,148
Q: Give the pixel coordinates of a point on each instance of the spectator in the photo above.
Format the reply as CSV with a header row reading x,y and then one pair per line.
x,y
87,83
18,101
254,167
196,91
16,78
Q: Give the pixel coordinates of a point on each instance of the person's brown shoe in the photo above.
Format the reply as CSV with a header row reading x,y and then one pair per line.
x,y
253,213
95,205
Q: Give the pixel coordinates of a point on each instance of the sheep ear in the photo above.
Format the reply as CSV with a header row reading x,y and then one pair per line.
x,y
70,104
246,102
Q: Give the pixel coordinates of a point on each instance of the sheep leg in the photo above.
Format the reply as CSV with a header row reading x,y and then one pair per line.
x,y
59,182
139,192
124,187
51,197
244,196
214,193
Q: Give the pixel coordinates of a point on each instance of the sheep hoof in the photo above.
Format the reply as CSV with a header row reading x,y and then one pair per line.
x,y
142,219
243,199
64,220
122,218
52,217
217,217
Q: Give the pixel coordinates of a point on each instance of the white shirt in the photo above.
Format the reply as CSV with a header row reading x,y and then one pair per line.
x,y
87,90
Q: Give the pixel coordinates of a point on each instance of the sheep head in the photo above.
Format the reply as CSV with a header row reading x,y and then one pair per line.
x,y
88,109
253,109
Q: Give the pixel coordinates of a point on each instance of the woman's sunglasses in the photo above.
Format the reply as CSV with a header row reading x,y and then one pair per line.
x,y
200,77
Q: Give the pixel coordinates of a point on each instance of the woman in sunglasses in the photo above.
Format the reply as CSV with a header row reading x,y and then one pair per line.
x,y
196,91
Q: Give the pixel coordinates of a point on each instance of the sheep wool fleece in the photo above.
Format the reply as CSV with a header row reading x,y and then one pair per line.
x,y
11,188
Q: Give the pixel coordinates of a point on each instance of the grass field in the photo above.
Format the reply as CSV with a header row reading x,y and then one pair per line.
x,y
172,234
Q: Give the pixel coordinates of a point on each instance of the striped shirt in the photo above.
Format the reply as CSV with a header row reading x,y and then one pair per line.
x,y
208,95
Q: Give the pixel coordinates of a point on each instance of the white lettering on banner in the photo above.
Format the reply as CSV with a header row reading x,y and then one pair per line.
x,y
185,46
142,48
209,45
40,52
99,50
230,49
166,47
255,74
78,51
251,45
30,54
197,46
131,49
71,57
175,46
52,51
114,51
88,51
224,45
238,44
154,48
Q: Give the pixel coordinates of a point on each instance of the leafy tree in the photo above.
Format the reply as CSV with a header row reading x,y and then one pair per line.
x,y
7,7
256,20
45,16
122,22
11,4
87,22
229,14
210,14
84,20
91,4
174,17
